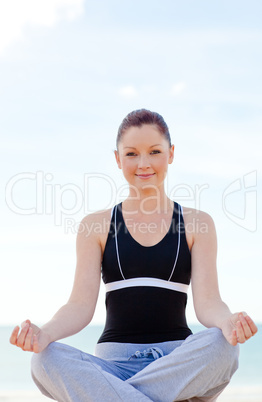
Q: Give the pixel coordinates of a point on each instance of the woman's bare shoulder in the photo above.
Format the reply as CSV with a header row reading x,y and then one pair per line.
x,y
192,213
98,216
96,225
197,223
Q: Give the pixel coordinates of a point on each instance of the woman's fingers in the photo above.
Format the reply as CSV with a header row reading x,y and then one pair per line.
x,y
13,337
28,344
22,336
25,323
251,324
240,333
246,327
26,339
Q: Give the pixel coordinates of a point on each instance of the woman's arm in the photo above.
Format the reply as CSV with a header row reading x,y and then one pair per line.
x,y
210,310
78,311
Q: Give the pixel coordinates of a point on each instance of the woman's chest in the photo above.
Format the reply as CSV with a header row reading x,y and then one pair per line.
x,y
147,232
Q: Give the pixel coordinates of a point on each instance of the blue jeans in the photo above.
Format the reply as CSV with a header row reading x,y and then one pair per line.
x,y
196,369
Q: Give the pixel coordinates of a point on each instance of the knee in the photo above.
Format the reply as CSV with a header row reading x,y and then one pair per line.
x,y
43,363
225,354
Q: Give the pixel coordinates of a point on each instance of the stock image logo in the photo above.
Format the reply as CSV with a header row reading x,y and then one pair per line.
x,y
244,192
33,193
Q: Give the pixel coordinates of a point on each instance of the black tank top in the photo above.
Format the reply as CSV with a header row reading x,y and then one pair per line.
x,y
146,287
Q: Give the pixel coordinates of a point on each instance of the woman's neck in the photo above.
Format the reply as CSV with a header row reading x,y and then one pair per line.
x,y
147,204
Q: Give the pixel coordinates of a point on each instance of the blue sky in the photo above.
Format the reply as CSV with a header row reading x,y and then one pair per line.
x,y
70,72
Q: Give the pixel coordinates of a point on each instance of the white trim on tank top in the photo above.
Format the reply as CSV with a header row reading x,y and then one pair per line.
x,y
149,282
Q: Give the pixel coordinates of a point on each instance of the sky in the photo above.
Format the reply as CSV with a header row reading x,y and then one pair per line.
x,y
70,71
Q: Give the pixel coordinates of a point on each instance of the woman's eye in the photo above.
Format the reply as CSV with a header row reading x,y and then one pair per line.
x,y
156,151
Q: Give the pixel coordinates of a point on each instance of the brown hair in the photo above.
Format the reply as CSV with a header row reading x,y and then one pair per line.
x,y
139,117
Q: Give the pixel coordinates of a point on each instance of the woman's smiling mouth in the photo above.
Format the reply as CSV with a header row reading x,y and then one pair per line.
x,y
145,176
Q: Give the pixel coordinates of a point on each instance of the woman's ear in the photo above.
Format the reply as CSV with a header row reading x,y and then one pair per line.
x,y
171,154
117,159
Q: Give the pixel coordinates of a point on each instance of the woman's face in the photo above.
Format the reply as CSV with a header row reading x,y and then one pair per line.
x,y
143,155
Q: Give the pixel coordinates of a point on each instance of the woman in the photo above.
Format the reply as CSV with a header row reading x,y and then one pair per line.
x,y
146,351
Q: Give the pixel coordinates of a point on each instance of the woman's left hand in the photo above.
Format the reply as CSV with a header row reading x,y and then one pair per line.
x,y
238,328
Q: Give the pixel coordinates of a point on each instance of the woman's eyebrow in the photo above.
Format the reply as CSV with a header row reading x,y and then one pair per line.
x,y
155,145
151,146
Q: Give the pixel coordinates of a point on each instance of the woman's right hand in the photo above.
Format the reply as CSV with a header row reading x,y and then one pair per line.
x,y
31,338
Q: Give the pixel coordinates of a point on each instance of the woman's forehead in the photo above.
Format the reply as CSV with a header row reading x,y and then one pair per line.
x,y
146,133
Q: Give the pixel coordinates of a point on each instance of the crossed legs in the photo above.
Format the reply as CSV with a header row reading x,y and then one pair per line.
x,y
198,370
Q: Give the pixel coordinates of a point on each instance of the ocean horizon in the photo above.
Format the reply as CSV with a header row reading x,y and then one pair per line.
x,y
16,379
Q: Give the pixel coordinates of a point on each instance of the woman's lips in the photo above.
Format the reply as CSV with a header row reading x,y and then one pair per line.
x,y
145,176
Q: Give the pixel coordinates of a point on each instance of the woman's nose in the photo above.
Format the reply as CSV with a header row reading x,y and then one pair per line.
x,y
143,162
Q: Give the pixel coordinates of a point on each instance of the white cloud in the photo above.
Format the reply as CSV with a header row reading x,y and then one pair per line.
x,y
128,91
15,15
178,88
